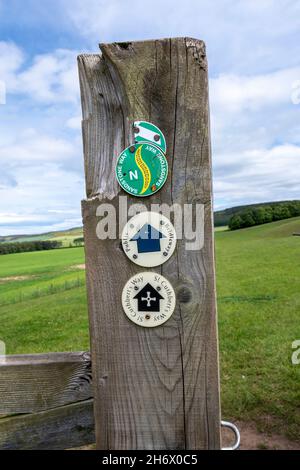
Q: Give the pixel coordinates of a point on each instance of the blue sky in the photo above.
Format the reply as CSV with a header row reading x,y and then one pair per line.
x,y
253,50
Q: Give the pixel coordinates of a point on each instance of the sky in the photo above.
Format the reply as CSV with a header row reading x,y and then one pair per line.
x,y
253,49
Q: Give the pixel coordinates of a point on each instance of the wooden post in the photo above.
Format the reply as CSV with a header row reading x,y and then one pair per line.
x,y
154,388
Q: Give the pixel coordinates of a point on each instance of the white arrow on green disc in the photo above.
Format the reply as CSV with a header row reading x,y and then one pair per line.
x,y
147,132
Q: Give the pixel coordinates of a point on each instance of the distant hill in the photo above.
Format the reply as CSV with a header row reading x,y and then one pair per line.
x,y
64,236
222,217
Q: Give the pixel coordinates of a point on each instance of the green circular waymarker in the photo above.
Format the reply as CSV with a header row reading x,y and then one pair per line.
x,y
142,169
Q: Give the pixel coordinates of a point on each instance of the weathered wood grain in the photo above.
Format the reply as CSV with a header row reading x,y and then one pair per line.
x,y
32,383
154,388
61,428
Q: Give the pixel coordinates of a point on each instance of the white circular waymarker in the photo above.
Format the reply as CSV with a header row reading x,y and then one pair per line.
x,y
148,299
149,239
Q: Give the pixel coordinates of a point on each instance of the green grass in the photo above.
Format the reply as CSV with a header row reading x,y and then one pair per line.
x,y
57,322
39,262
222,228
46,310
258,274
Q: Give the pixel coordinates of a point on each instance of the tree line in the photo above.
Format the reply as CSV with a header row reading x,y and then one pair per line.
x,y
20,247
78,241
263,214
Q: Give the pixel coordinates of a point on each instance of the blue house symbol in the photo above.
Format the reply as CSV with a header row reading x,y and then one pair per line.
x,y
148,239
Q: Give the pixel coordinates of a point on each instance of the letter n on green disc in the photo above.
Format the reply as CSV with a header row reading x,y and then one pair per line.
x,y
142,169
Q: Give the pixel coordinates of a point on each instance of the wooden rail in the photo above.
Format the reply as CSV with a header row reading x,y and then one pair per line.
x,y
50,396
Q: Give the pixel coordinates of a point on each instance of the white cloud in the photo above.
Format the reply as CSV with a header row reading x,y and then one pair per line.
x,y
241,35
74,122
253,52
31,147
42,184
62,211
12,57
236,93
15,218
256,139
47,197
49,78
41,164
101,17
257,175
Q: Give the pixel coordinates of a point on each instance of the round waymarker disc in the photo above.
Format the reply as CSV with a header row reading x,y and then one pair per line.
x,y
147,132
142,169
149,239
148,299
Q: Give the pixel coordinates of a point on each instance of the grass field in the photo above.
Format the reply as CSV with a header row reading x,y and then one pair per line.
x,y
67,237
43,301
43,308
258,274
